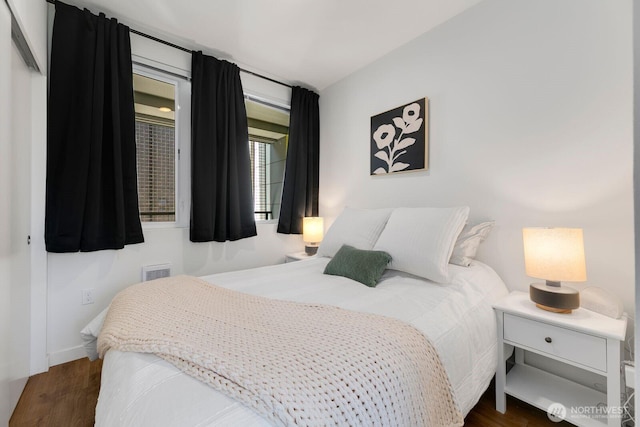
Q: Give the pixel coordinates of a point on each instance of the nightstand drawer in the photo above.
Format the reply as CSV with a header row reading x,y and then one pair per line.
x,y
577,347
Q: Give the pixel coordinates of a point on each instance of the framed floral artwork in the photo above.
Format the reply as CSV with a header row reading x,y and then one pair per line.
x,y
400,139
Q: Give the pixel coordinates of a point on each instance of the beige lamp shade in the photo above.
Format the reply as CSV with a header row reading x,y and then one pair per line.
x,y
554,254
312,229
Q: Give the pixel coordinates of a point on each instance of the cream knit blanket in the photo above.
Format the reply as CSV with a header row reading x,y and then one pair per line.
x,y
295,364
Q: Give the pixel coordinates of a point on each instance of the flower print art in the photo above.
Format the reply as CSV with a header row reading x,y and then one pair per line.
x,y
399,139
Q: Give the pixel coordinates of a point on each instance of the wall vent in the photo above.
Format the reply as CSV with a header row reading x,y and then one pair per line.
x,y
158,271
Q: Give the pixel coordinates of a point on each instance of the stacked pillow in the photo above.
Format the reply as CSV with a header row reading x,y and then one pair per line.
x,y
468,242
359,228
418,241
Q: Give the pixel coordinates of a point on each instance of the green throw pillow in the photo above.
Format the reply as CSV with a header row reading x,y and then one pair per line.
x,y
363,266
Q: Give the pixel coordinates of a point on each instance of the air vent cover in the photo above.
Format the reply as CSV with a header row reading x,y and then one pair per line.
x,y
158,271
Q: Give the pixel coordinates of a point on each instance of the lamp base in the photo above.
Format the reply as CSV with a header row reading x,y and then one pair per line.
x,y
555,298
554,310
311,250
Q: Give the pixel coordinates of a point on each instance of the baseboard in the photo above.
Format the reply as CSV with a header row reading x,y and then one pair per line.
x,y
66,355
39,365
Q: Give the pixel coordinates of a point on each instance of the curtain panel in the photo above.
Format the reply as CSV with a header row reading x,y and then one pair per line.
x,y
302,176
221,190
91,189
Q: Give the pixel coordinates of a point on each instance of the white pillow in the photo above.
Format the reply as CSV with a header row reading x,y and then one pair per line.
x,y
466,246
359,228
420,240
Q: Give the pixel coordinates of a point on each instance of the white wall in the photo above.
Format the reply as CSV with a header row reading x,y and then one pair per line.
x,y
5,215
20,224
531,125
38,255
17,131
108,272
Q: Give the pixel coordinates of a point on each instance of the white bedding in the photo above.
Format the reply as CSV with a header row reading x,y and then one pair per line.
x,y
144,390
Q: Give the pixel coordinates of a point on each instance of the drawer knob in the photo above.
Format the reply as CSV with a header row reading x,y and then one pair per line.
x,y
548,339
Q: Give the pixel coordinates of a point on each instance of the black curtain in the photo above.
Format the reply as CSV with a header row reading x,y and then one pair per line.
x,y
92,194
302,176
221,191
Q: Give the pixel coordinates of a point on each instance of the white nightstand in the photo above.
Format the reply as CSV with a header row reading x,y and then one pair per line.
x,y
297,256
583,339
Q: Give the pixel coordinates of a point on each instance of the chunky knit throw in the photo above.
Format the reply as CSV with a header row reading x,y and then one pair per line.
x,y
296,364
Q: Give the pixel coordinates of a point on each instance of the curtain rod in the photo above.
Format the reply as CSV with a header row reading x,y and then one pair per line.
x,y
175,46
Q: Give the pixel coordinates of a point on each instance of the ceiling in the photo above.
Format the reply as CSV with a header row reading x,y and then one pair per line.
x,y
314,43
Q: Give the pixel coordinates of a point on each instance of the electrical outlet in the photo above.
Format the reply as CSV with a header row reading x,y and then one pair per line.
x,y
87,296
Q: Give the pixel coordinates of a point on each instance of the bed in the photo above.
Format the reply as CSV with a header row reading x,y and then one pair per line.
x,y
140,389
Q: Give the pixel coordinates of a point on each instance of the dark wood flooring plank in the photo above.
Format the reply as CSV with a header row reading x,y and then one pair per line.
x,y
64,396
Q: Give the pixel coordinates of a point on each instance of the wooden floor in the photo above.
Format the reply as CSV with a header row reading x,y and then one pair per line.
x,y
66,396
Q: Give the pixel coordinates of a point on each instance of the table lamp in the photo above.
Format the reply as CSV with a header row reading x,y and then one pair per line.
x,y
312,233
555,255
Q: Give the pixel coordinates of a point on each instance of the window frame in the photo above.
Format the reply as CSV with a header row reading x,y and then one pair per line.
x,y
182,145
267,172
274,103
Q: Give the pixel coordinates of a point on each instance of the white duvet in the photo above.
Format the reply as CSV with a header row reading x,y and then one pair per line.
x,y
144,390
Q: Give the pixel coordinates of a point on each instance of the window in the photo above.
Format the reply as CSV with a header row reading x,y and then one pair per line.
x,y
268,138
161,193
163,145
155,148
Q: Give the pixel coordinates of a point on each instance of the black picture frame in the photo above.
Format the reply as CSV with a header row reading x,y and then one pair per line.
x,y
399,139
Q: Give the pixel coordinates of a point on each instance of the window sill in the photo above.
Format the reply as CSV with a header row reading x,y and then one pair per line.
x,y
266,221
161,225
157,225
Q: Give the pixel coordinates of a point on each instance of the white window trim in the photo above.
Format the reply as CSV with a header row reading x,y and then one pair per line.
x,y
271,102
182,145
